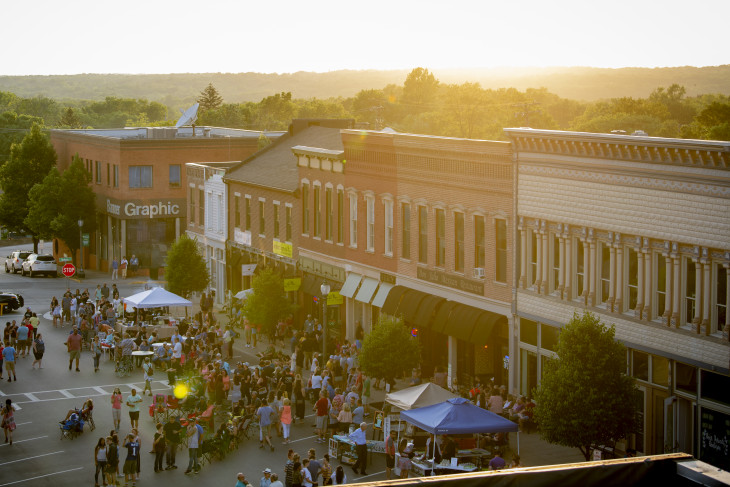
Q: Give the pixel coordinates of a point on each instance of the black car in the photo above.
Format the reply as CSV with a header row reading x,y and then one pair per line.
x,y
12,301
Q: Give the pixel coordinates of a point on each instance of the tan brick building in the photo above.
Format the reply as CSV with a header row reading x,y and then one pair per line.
x,y
636,230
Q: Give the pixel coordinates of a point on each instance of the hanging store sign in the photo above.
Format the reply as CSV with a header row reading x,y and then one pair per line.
x,y
152,208
334,298
284,249
292,284
241,237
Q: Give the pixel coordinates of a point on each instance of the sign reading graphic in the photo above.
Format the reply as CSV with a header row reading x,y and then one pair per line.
x,y
147,208
68,270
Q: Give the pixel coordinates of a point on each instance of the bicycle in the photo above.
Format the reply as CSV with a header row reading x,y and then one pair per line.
x,y
124,367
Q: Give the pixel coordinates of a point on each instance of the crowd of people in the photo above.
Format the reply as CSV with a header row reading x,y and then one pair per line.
x,y
19,340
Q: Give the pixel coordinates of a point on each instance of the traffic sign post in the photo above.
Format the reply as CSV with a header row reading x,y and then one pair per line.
x,y
68,270
65,259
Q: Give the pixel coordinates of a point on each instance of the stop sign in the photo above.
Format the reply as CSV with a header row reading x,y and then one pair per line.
x,y
68,270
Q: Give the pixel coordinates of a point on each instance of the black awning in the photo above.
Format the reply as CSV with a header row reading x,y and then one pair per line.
x,y
441,320
393,300
484,326
425,314
461,321
409,304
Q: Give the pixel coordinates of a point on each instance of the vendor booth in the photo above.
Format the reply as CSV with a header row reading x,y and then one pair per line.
x,y
157,316
419,396
456,416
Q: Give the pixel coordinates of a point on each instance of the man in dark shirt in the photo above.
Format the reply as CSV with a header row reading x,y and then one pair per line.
x,y
105,292
172,437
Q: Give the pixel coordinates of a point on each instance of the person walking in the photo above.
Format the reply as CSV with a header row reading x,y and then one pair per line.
x,y
361,448
265,413
286,419
158,445
115,269
195,436
172,437
134,264
96,352
39,348
130,464
116,401
8,420
100,461
149,371
133,402
9,360
73,344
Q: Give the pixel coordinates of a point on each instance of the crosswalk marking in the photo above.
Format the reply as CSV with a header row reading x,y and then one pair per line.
x,y
84,392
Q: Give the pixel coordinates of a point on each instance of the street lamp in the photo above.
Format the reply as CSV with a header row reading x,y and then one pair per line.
x,y
325,288
81,245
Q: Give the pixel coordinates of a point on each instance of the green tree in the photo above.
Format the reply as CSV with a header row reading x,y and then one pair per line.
x,y
186,271
585,399
420,88
28,164
69,119
268,303
57,203
209,98
389,350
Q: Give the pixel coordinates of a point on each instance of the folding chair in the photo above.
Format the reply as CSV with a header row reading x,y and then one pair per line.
x,y
159,408
207,418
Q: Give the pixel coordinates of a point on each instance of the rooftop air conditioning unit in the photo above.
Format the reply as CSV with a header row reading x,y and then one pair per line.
x,y
479,272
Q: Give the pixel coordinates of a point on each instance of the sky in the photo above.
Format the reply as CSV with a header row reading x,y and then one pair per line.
x,y
285,36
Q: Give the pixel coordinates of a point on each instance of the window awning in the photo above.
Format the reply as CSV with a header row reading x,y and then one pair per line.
x,y
461,321
351,283
441,320
367,289
484,326
382,293
311,284
393,300
409,305
424,315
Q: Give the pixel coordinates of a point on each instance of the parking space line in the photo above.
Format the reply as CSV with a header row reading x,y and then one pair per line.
x,y
302,439
30,396
30,458
100,390
27,439
66,393
41,476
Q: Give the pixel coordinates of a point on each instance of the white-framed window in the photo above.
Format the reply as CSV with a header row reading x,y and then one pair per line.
x,y
248,213
262,216
388,222
440,237
458,241
221,209
276,220
604,269
689,291
631,278
288,222
719,298
370,220
500,250
329,216
317,207
554,263
660,285
305,208
579,272
423,234
353,220
532,248
340,215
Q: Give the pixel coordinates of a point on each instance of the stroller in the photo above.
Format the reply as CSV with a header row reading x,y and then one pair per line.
x,y
71,427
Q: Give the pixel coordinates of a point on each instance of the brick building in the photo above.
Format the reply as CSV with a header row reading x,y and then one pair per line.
x,y
421,226
139,179
265,211
636,230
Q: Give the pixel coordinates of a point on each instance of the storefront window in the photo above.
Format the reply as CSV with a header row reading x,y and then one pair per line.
x,y
549,337
686,378
660,370
528,371
640,368
145,237
715,387
528,331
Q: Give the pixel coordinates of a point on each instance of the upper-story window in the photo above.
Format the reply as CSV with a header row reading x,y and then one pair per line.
x,y
353,220
479,242
632,279
370,217
248,213
440,237
108,174
139,176
405,222
191,200
262,217
501,250
340,216
116,175
605,270
237,211
288,223
201,209
276,220
175,177
98,173
422,234
317,206
305,208
388,223
328,214
459,242
720,298
690,290
579,266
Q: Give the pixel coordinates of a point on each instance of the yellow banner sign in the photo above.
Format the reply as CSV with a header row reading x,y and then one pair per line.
x,y
334,298
284,249
292,284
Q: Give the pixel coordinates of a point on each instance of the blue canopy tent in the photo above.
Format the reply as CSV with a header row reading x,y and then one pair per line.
x,y
459,416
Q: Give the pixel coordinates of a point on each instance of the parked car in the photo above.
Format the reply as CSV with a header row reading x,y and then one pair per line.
x,y
13,301
39,264
14,263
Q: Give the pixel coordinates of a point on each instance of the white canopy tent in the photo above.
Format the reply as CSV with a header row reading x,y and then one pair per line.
x,y
156,298
419,396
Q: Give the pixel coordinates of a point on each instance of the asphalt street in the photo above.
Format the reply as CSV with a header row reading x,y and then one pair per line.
x,y
39,456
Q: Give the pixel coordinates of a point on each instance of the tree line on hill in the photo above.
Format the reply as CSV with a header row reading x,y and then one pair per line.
x,y
422,104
